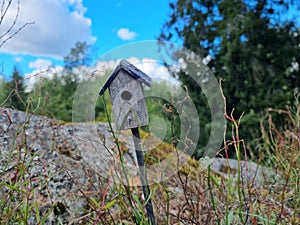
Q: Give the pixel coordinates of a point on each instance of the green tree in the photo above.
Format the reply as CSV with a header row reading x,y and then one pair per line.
x,y
160,109
78,56
41,97
54,97
14,94
2,89
254,46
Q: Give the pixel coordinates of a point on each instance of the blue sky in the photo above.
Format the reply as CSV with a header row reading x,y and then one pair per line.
x,y
59,24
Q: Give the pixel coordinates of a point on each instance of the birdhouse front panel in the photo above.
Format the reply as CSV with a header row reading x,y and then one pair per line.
x,y
128,103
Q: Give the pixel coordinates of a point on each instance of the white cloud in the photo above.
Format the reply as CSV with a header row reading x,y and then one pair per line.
x,y
76,5
58,25
126,34
153,68
295,66
40,64
207,59
32,78
156,70
106,65
18,59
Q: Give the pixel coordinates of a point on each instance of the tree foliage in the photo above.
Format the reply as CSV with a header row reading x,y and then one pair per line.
x,y
254,46
78,56
13,92
54,96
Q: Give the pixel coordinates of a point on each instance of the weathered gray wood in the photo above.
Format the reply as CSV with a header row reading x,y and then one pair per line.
x,y
127,97
130,112
131,70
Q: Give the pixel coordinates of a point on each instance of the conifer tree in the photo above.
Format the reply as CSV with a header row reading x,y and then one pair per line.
x,y
14,91
254,46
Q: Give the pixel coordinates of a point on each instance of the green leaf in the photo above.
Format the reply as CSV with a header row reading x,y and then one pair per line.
x,y
110,204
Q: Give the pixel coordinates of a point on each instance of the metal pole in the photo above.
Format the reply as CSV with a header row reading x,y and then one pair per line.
x,y
143,174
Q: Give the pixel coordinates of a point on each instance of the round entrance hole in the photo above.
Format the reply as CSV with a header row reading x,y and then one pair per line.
x,y
126,95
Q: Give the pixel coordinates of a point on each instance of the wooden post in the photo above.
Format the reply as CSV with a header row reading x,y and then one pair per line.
x,y
143,174
130,112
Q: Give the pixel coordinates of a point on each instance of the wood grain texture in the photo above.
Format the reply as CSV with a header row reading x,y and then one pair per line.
x,y
128,103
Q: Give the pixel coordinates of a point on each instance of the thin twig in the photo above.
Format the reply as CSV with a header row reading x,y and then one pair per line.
x,y
9,32
4,11
15,33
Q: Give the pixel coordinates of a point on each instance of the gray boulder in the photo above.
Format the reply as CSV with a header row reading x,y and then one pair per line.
x,y
250,172
59,165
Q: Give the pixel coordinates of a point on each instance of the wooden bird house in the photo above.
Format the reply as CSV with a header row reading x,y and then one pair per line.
x,y
127,95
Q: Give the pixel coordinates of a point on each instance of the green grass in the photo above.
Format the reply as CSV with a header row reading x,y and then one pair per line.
x,y
191,196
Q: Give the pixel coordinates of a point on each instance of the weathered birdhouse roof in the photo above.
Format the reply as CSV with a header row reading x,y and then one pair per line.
x,y
131,70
